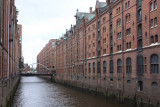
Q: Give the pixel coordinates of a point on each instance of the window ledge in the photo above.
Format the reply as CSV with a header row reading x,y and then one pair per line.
x,y
155,9
151,11
156,26
152,27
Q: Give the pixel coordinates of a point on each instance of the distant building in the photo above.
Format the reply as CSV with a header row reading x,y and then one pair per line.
x,y
45,59
26,68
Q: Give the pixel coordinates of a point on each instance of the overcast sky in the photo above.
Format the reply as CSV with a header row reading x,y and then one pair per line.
x,y
46,19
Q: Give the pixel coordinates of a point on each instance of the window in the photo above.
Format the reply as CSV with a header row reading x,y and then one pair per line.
x,y
139,65
127,18
104,66
104,51
89,66
139,2
119,66
128,82
145,19
111,17
128,4
128,66
128,32
99,34
99,24
93,45
154,64
104,30
130,45
154,84
111,66
155,22
140,86
104,19
93,26
93,35
152,39
155,4
119,35
93,67
139,30
99,53
118,22
118,10
139,15
99,44
151,7
98,67
93,53
140,44
119,48
156,38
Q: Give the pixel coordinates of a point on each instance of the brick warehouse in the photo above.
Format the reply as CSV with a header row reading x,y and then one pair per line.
x,y
46,57
10,46
115,48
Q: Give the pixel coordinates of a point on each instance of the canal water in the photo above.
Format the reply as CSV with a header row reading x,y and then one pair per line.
x,y
37,92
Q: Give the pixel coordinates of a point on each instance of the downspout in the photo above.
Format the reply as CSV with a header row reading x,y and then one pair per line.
x,y
123,42
8,38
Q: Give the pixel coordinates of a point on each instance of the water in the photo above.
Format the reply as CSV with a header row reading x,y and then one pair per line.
x,y
37,92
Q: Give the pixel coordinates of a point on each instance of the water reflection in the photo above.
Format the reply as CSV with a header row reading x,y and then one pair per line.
x,y
36,92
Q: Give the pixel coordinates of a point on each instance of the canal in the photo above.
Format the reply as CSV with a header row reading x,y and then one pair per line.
x,y
37,92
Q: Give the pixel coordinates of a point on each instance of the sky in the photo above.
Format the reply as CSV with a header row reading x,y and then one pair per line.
x,y
43,20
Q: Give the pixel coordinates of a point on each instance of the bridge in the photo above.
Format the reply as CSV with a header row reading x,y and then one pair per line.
x,y
38,74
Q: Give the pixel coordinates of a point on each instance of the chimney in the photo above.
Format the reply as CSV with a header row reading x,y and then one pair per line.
x,y
90,10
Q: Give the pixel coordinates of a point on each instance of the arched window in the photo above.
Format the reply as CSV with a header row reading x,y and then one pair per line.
x,y
128,17
104,30
139,65
118,22
128,66
154,64
119,66
104,66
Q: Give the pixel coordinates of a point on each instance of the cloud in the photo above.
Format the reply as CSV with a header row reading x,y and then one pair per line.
x,y
46,19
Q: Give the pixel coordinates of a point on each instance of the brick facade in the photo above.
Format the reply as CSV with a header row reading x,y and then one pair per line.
x,y
114,48
9,48
45,57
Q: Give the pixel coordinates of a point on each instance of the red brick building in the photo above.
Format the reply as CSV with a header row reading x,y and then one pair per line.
x,y
114,48
46,57
9,48
20,38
